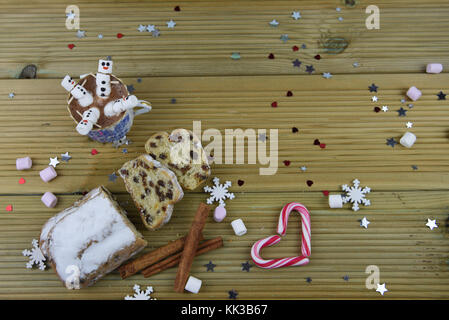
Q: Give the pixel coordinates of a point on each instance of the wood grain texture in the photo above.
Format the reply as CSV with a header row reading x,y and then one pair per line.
x,y
411,35
411,258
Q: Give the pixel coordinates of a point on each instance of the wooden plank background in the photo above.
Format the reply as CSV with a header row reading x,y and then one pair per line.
x,y
192,64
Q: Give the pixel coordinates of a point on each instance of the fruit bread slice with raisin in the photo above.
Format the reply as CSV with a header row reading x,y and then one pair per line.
x,y
181,152
154,189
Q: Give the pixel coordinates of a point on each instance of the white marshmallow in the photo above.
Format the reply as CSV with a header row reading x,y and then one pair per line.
x,y
68,83
90,117
193,285
239,227
115,107
408,139
335,201
103,89
105,66
82,95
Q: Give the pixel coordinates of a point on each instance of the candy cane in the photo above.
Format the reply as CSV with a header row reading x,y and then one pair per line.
x,y
274,263
282,228
305,221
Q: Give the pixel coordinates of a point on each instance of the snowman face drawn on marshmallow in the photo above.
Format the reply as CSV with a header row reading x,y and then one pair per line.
x,y
105,66
68,83
84,127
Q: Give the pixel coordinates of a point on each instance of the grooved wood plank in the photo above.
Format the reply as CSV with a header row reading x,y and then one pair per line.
x,y
411,35
338,112
412,259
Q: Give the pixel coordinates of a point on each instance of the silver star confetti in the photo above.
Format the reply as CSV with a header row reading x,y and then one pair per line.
x,y
284,38
381,288
151,28
296,15
327,75
364,223
409,124
141,28
384,108
66,157
431,224
11,95
171,24
54,162
374,99
274,23
80,34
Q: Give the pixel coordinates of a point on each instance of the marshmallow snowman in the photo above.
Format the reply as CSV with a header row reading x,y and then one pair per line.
x,y
68,83
103,89
78,92
105,66
82,95
118,106
90,117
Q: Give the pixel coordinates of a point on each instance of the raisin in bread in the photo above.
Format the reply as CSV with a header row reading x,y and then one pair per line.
x,y
154,189
181,152
90,239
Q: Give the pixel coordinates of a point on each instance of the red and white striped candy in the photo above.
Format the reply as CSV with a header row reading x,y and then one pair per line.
x,y
282,228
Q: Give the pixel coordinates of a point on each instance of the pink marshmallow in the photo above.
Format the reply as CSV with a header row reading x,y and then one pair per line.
x,y
434,68
219,213
49,199
414,93
48,174
23,163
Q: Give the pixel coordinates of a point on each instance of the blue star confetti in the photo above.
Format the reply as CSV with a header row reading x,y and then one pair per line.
x,y
373,88
65,157
210,266
402,112
346,278
173,101
246,266
130,88
441,96
310,69
391,142
309,279
284,38
112,177
125,150
233,294
296,63
414,167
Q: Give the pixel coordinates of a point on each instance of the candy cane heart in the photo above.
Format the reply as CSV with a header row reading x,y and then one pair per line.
x,y
306,246
274,263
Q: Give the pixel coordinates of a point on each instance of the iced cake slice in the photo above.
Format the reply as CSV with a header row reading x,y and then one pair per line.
x,y
181,152
154,189
89,239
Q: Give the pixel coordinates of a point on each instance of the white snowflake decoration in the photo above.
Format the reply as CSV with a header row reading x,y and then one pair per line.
x,y
35,255
140,294
219,192
356,195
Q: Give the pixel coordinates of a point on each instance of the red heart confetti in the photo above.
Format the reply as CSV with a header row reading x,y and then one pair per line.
x,y
322,145
286,163
177,8
94,152
274,104
71,46
325,192
271,56
376,109
317,57
295,130
316,142
119,35
309,183
240,182
289,93
22,181
8,207
295,48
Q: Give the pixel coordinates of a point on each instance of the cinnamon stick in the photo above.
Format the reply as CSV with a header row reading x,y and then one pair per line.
x,y
172,261
190,247
152,257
